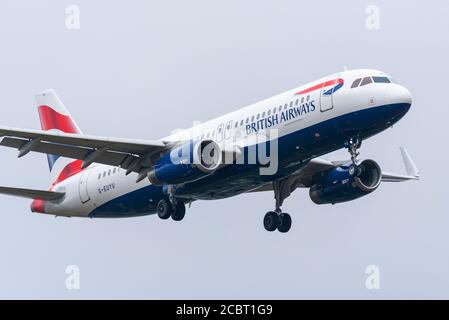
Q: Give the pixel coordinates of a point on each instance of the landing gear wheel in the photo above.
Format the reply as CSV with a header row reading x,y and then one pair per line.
x,y
164,209
271,221
179,211
285,222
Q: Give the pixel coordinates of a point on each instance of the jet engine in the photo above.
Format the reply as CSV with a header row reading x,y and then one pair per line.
x,y
186,163
345,184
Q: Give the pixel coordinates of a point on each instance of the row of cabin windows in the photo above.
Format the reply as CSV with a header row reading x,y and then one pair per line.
x,y
108,173
257,117
367,80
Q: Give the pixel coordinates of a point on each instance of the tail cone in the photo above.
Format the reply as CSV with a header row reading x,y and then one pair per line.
x,y
38,205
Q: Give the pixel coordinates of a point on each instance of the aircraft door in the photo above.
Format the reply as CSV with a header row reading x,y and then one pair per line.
x,y
220,132
82,187
228,130
327,94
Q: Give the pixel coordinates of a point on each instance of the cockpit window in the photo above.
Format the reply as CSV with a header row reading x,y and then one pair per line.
x,y
366,81
381,80
356,83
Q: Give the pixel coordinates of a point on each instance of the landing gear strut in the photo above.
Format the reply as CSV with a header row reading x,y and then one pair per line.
x,y
353,145
277,219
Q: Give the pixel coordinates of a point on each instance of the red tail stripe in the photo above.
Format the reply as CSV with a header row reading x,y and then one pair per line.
x,y
51,119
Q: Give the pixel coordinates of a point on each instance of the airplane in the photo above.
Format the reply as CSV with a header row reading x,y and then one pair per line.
x,y
104,177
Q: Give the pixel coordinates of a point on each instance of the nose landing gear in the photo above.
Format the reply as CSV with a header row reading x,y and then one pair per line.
x,y
277,219
353,145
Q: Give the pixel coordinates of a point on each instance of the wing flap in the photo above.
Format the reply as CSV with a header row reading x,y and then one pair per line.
x,y
105,150
31,193
108,157
134,146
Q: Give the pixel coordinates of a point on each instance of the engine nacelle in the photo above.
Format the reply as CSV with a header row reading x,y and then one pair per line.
x,y
186,163
339,185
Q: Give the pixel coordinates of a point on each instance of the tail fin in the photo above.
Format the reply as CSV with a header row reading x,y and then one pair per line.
x,y
54,116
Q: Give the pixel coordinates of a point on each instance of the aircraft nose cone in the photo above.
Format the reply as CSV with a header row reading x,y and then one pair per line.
x,y
399,94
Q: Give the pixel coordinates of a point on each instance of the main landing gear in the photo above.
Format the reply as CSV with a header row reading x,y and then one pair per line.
x,y
353,145
277,219
166,209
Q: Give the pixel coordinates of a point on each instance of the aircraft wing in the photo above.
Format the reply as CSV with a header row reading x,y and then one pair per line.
x,y
31,193
412,173
110,151
306,176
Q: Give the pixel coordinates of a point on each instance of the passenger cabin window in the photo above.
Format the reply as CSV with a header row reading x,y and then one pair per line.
x,y
366,81
241,123
356,83
381,80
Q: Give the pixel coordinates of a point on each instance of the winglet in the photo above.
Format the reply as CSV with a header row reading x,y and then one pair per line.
x,y
410,166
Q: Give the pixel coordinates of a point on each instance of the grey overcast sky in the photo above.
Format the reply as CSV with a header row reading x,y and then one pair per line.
x,y
139,69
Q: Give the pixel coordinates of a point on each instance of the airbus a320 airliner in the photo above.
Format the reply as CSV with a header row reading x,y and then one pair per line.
x,y
271,146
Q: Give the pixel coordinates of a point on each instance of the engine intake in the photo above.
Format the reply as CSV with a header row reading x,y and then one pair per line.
x,y
186,163
338,185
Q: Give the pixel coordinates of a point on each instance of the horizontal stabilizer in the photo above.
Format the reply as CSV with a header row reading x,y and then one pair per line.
x,y
32,194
